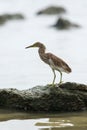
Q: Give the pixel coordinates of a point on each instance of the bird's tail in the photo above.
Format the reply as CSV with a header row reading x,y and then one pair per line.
x,y
68,70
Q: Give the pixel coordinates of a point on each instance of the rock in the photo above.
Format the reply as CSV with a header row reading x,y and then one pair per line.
x,y
67,97
2,20
5,17
52,10
13,16
65,24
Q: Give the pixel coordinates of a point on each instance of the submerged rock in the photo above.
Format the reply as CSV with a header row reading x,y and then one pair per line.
x,y
67,97
65,24
5,17
52,10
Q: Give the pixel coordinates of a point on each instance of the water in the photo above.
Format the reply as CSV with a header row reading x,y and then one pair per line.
x,y
22,69
15,121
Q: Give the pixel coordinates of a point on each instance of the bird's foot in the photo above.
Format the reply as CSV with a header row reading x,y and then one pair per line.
x,y
51,85
61,82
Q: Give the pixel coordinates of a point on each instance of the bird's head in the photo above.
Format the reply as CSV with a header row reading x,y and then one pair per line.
x,y
36,44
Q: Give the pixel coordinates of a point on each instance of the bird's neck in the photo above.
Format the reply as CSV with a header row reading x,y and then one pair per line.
x,y
41,50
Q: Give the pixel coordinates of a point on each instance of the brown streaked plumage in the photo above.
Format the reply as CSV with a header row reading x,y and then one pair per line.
x,y
53,61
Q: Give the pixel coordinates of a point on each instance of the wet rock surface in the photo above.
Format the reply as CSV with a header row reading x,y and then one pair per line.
x,y
6,17
65,24
67,97
52,10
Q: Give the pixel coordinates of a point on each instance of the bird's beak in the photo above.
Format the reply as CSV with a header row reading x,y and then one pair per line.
x,y
28,46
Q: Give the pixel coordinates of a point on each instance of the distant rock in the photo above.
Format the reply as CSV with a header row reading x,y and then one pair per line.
x,y
5,17
13,16
67,97
52,10
2,20
65,24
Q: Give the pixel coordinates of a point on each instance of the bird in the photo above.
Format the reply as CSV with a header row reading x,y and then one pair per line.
x,y
56,63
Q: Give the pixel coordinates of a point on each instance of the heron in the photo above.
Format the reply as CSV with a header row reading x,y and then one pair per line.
x,y
56,63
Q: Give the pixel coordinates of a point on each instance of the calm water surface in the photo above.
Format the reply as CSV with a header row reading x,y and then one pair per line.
x,y
69,121
22,69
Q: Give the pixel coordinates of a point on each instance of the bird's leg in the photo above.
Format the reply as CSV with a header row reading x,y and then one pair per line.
x,y
60,77
54,77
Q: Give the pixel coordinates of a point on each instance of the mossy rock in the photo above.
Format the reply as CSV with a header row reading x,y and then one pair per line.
x,y
52,10
67,97
65,24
